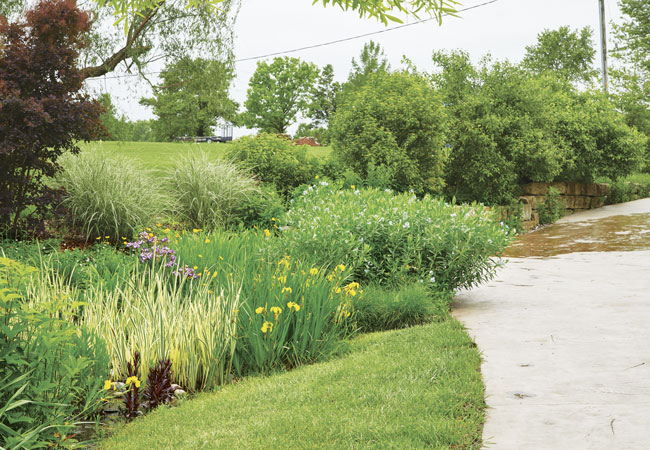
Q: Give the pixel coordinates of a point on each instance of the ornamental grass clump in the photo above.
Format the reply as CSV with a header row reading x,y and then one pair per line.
x,y
392,239
108,195
162,316
207,194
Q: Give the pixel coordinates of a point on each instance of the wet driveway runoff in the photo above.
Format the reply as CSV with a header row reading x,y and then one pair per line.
x,y
564,331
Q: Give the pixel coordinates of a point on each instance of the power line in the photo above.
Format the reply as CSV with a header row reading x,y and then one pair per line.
x,y
361,35
324,44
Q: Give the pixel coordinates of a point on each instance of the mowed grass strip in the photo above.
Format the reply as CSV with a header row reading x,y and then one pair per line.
x,y
405,389
159,156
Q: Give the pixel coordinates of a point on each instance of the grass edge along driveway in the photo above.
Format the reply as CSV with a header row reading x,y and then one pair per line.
x,y
413,388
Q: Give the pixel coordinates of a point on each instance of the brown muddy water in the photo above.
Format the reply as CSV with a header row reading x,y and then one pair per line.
x,y
610,234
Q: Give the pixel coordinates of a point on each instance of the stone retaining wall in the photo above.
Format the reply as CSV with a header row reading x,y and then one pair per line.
x,y
576,196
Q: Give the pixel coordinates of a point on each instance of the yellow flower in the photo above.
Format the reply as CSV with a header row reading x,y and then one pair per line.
x,y
133,381
282,280
207,241
167,230
108,384
337,290
340,267
351,286
221,257
267,327
273,219
286,289
317,177
196,267
352,186
159,225
107,237
294,306
214,274
123,238
200,255
267,233
276,310
148,229
98,237
260,310
313,271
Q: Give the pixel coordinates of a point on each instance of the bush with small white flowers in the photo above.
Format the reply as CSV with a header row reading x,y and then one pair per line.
x,y
393,239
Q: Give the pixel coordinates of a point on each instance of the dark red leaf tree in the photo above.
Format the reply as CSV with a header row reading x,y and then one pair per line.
x,y
43,111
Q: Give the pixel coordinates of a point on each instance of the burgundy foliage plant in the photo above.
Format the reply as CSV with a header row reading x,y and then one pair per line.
x,y
159,390
43,111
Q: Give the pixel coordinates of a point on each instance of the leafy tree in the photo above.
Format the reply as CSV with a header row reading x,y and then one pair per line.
x,y
277,92
631,79
137,32
117,128
43,113
120,128
393,127
568,54
323,98
371,60
633,35
192,97
380,9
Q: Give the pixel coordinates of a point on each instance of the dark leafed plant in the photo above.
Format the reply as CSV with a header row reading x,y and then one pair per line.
x,y
43,113
132,395
159,389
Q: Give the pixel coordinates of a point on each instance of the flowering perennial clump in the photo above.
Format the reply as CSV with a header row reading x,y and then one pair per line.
x,y
152,248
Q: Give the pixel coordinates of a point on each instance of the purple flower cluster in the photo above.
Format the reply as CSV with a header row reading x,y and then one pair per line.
x,y
186,271
151,248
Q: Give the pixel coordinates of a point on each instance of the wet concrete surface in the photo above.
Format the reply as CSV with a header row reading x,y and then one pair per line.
x,y
564,331
623,227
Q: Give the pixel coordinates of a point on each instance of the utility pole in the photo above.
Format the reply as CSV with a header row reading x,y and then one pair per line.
x,y
603,45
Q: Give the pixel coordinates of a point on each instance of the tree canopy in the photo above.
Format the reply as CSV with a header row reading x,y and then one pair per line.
x,y
43,113
192,97
568,54
277,92
633,35
382,10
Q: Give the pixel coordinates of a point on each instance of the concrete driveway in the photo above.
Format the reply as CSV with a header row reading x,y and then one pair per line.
x,y
565,335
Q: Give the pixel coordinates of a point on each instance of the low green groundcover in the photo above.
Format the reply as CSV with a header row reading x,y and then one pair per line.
x,y
412,388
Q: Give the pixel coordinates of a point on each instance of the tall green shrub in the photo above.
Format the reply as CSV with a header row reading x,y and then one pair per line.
x,y
274,159
395,120
510,127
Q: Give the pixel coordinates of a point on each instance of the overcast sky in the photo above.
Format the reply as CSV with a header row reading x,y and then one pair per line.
x,y
502,29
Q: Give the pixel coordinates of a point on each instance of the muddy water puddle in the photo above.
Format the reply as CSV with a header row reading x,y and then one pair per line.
x,y
609,234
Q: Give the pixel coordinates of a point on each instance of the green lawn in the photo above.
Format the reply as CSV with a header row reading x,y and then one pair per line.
x,y
412,388
160,155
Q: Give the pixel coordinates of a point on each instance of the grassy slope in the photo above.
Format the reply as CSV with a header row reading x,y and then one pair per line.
x,y
412,388
160,155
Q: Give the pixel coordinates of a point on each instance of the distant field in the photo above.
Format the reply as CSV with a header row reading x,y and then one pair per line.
x,y
161,155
